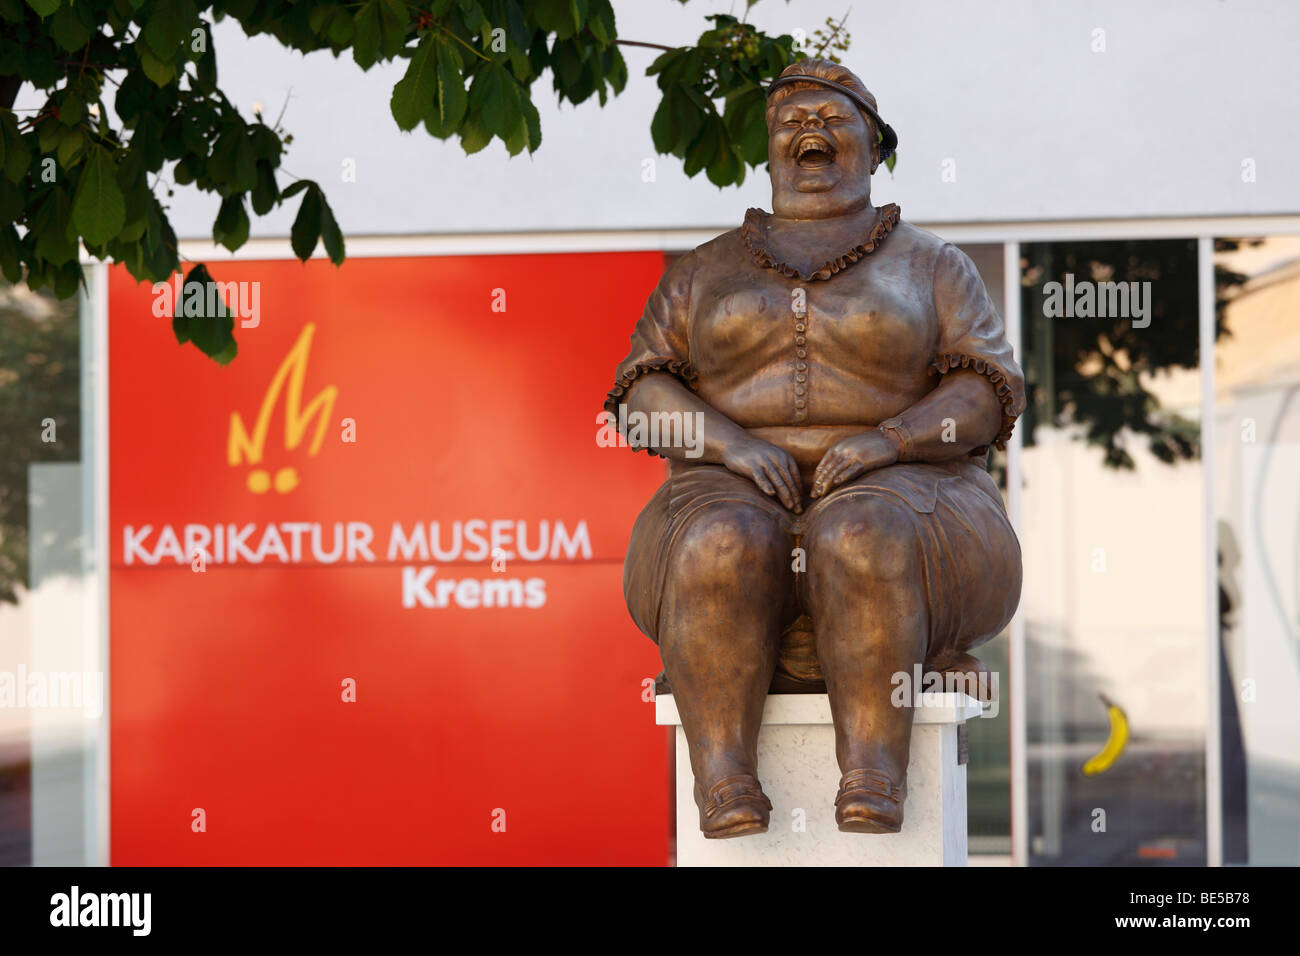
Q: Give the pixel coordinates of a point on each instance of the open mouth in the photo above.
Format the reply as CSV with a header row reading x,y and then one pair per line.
x,y
812,151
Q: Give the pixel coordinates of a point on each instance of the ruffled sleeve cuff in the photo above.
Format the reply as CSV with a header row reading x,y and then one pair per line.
x,y
998,378
680,369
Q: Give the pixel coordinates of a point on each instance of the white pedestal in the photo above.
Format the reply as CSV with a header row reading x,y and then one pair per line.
x,y
796,764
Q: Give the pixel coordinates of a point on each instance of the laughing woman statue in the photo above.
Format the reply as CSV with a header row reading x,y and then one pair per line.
x,y
838,524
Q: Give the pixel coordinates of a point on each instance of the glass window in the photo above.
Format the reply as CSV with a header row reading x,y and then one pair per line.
x,y
1257,511
52,689
1112,536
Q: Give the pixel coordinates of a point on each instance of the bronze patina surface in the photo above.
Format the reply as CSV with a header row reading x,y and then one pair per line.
x,y
838,525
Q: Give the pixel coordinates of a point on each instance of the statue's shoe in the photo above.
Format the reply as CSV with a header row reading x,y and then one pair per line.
x,y
870,802
734,806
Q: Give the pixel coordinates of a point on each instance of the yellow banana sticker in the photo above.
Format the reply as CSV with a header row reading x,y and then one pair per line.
x,y
1101,761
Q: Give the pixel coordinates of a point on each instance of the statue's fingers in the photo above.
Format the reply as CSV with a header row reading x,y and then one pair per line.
x,y
826,468
760,479
782,483
792,471
850,469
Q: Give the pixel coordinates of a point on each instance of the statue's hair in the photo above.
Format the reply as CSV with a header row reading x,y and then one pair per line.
x,y
826,70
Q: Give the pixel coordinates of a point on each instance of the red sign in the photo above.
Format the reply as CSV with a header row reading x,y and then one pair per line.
x,y
366,601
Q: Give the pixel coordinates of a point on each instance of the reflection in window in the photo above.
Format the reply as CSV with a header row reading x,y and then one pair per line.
x,y
1257,504
40,439
1112,541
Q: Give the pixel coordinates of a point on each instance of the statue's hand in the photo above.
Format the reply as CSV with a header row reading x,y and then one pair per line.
x,y
855,455
774,470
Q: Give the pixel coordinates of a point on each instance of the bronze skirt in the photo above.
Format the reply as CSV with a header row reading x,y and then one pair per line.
x,y
957,515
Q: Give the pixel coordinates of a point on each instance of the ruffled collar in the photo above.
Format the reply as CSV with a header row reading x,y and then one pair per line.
x,y
754,234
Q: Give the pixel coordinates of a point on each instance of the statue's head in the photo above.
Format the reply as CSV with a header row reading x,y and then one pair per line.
x,y
825,139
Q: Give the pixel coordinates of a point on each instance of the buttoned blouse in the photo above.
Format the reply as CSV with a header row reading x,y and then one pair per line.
x,y
857,341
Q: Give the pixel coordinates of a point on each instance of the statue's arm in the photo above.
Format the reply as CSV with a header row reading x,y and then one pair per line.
x,y
976,402
959,415
719,440
656,376
660,393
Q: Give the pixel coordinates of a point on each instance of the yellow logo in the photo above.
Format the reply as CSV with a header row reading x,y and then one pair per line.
x,y
242,447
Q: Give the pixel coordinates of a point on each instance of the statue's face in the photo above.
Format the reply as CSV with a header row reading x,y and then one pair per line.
x,y
819,151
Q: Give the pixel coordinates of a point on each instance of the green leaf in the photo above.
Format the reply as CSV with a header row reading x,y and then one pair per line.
x,y
497,96
473,134
379,30
306,225
11,254
147,142
231,226
43,8
17,157
365,35
747,125
320,15
601,22
226,354
211,331
726,168
13,202
266,193
518,138
135,96
329,232
67,279
70,147
68,30
72,109
703,151
561,17
414,93
52,226
206,69
160,257
245,164
664,128
266,143
296,188
393,18
161,73
99,211
533,123
49,134
135,187
452,98
168,27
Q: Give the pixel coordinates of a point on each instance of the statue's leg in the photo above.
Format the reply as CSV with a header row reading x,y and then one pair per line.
x,y
865,589
729,576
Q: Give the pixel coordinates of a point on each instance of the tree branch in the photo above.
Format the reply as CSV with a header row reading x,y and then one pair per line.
x,y
652,46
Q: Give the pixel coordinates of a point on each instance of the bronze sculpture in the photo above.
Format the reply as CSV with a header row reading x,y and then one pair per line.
x,y
839,524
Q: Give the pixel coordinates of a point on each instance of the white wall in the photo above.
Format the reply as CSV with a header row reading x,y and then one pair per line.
x,y
1039,126
1113,578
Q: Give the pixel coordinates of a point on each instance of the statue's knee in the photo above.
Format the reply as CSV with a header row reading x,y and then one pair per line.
x,y
724,540
870,539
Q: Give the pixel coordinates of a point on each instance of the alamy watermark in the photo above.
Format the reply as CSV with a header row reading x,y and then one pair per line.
x,y
69,690
1087,299
192,299
652,430
129,910
910,686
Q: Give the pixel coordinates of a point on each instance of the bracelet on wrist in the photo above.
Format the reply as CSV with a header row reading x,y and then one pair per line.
x,y
896,431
